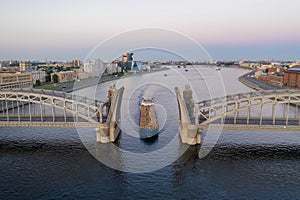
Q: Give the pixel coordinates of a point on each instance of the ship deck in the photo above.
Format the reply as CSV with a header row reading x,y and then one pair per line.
x,y
148,117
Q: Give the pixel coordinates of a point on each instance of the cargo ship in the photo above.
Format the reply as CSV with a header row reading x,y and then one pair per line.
x,y
148,120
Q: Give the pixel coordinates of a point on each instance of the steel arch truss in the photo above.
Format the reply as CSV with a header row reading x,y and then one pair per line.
x,y
263,109
46,107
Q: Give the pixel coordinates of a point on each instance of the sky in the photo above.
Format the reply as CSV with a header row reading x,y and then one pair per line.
x,y
226,29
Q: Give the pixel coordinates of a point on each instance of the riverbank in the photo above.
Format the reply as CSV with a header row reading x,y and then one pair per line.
x,y
84,83
251,82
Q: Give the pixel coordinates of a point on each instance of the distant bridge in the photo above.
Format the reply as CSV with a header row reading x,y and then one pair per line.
x,y
30,107
263,110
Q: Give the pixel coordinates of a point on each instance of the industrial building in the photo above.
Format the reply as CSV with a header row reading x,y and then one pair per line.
x,y
292,77
94,67
38,75
127,57
128,63
15,80
24,66
62,77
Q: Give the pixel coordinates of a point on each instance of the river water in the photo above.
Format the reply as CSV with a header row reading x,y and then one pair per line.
x,y
51,163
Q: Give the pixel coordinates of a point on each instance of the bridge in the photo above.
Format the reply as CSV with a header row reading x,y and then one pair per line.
x,y
262,110
31,107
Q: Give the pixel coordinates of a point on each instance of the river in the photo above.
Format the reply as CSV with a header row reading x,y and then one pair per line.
x,y
51,163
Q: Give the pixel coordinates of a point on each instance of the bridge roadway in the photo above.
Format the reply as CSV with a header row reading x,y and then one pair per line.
x,y
256,84
253,124
47,121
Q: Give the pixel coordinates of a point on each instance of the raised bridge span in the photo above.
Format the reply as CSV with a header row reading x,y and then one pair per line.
x,y
262,110
31,107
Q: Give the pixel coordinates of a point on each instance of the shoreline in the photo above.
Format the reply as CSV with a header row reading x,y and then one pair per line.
x,y
84,83
256,84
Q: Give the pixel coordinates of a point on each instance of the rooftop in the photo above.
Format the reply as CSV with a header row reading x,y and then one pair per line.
x,y
295,69
63,72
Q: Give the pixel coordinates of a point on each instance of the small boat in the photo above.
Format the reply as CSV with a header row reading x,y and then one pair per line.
x,y
218,68
148,119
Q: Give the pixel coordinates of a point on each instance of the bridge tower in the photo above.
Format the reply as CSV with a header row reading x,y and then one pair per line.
x,y
110,94
109,131
189,132
188,99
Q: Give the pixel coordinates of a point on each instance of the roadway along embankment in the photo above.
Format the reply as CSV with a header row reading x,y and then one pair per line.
x,y
250,81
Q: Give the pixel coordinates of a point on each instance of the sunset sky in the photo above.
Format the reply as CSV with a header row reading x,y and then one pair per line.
x,y
228,30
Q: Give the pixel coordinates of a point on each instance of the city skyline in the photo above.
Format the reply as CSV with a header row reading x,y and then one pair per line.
x,y
231,30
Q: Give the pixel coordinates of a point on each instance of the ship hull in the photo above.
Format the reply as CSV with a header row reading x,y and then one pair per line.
x,y
148,132
148,120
